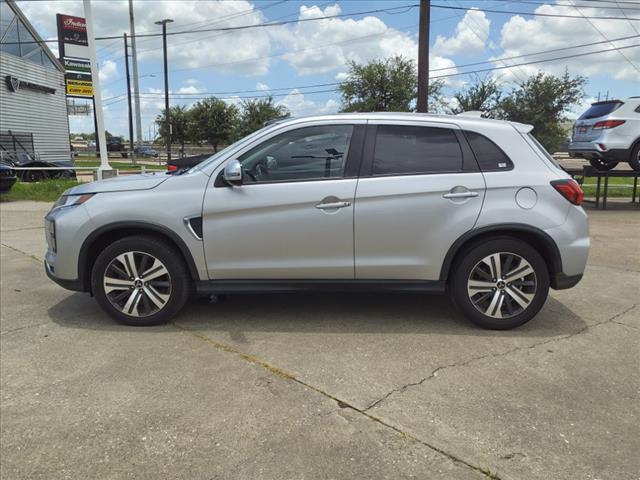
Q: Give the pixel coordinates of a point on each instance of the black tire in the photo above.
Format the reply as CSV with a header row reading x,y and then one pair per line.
x,y
32,176
176,284
514,291
634,160
600,164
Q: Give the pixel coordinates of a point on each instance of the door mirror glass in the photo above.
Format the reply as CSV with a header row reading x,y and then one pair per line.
x,y
232,173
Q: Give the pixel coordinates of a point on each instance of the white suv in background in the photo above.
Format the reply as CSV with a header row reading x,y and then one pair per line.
x,y
608,133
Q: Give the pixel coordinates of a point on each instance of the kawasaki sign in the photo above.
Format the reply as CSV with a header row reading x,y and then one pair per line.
x,y
15,84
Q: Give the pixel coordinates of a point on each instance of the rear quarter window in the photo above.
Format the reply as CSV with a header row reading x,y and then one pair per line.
x,y
490,157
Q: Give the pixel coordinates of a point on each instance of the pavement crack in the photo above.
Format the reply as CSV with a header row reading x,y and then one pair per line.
x,y
434,373
25,327
33,257
339,402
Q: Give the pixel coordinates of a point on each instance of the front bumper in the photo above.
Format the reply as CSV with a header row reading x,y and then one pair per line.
x,y
74,285
6,183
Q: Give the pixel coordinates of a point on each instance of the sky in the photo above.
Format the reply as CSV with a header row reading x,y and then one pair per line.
x,y
299,63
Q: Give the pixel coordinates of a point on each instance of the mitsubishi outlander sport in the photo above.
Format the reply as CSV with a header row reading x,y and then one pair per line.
x,y
398,202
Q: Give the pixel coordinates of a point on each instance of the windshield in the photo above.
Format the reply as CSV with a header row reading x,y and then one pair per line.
x,y
227,149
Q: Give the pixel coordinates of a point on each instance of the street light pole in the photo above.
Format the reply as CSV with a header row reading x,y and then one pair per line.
x,y
167,114
132,148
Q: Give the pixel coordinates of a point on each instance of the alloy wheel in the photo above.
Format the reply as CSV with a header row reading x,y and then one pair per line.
x,y
137,284
502,285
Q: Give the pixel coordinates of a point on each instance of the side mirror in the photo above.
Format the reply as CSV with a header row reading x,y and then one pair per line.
x,y
232,173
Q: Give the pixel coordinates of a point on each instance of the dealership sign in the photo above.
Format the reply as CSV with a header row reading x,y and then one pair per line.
x,y
15,84
72,36
73,45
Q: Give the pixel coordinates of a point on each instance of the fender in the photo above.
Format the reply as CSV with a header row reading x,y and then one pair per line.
x,y
551,253
138,227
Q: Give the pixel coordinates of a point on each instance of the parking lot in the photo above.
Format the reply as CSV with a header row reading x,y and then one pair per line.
x,y
321,385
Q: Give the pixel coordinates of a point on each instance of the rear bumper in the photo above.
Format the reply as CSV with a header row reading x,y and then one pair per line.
x,y
590,150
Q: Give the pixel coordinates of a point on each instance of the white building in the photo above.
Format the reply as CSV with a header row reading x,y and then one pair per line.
x,y
33,108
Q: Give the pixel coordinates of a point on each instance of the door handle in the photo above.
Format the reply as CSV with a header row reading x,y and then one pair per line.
x,y
333,205
460,195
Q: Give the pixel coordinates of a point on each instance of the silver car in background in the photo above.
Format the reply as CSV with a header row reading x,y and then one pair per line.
x,y
608,133
352,202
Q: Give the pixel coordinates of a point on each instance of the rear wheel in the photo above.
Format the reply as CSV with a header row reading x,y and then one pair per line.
x,y
600,164
501,283
140,281
634,161
33,176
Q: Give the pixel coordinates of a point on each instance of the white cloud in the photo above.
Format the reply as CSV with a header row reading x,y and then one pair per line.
x,y
299,106
230,49
108,69
470,37
522,36
263,87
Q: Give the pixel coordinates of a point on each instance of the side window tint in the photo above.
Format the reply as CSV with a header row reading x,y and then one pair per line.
x,y
302,154
490,157
402,150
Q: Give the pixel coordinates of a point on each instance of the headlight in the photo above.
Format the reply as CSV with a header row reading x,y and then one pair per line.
x,y
71,200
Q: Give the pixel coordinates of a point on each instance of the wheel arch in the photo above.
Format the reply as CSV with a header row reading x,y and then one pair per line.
x,y
533,236
103,236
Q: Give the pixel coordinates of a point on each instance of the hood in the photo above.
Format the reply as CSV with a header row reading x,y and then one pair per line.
x,y
120,184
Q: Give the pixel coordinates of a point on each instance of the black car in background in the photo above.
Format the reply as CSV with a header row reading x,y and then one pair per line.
x,y
185,163
38,169
7,176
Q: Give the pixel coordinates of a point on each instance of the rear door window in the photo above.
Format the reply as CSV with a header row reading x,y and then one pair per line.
x,y
600,110
406,150
490,157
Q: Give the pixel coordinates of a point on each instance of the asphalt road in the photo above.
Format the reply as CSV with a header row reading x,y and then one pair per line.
x,y
320,386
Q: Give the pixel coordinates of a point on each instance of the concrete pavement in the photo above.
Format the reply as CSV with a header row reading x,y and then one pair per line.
x,y
320,386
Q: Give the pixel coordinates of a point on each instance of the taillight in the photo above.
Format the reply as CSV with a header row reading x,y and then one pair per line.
x,y
606,124
569,189
171,168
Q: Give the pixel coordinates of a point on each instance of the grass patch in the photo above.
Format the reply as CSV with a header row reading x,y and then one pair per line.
x,y
46,191
618,187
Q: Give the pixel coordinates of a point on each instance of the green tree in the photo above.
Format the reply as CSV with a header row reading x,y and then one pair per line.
x,y
255,112
180,118
389,85
483,95
543,101
212,120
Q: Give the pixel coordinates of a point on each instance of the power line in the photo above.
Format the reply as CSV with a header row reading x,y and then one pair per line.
x,y
389,10
605,37
603,7
119,98
533,14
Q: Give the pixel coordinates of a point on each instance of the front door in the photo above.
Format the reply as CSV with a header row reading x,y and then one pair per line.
x,y
292,218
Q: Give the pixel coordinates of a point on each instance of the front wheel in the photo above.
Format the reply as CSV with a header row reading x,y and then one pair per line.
x,y
600,164
140,281
500,284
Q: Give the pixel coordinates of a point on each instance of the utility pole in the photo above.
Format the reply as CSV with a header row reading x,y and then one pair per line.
x,y
126,67
136,83
167,113
423,56
97,94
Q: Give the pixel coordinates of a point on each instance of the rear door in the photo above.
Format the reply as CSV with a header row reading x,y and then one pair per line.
x,y
419,190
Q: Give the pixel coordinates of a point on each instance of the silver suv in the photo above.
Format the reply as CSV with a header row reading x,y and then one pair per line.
x,y
353,202
608,133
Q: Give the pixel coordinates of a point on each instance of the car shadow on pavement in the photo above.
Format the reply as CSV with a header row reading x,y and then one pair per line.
x,y
348,313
